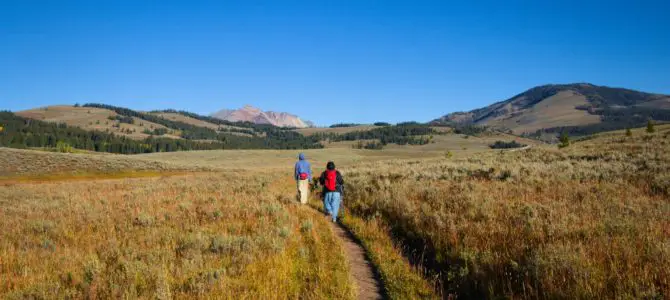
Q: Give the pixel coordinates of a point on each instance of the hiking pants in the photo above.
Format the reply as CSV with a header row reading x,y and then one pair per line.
x,y
303,191
332,204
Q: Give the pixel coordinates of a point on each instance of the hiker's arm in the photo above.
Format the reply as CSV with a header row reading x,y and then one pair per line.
x,y
322,179
340,181
296,176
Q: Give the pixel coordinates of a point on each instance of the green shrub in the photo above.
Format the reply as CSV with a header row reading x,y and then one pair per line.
x,y
64,147
650,126
564,140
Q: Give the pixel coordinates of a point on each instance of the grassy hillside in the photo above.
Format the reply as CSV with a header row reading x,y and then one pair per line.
x,y
90,118
186,119
554,111
175,116
579,108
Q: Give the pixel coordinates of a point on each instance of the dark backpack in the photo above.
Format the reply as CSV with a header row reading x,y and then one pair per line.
x,y
331,180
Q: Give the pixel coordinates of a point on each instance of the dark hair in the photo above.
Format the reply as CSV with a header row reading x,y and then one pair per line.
x,y
330,165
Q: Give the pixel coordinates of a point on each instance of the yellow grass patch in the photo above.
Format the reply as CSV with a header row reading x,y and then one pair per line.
x,y
587,221
229,236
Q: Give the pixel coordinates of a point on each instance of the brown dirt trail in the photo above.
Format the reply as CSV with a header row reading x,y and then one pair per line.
x,y
363,272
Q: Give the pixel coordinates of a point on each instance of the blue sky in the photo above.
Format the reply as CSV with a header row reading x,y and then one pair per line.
x,y
327,61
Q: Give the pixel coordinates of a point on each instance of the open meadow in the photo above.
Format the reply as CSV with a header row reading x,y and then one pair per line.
x,y
206,235
591,220
451,218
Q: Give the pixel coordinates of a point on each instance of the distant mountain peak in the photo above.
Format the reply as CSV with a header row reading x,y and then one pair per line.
x,y
250,113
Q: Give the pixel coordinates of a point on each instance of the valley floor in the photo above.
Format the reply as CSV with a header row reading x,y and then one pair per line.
x,y
588,221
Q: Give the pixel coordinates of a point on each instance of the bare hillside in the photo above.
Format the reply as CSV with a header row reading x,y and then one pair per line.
x,y
255,115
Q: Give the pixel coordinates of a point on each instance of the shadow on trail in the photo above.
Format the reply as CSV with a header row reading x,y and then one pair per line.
x,y
366,275
370,283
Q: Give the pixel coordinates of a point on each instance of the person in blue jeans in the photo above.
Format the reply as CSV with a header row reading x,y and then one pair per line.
x,y
333,188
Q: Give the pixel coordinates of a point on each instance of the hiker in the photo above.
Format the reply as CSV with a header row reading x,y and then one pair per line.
x,y
303,175
333,187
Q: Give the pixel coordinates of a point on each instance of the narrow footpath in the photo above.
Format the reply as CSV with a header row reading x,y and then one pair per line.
x,y
363,272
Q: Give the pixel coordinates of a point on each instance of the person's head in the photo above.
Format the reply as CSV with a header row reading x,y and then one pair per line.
x,y
301,156
330,166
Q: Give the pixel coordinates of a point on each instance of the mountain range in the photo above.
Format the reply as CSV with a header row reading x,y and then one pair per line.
x,y
542,111
580,107
255,115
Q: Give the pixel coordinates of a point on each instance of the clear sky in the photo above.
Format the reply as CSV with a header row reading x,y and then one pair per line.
x,y
327,61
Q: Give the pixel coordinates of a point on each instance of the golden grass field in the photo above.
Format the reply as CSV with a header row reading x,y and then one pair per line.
x,y
218,235
588,221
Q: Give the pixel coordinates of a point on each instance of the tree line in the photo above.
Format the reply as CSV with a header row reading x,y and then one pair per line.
x,y
19,132
411,134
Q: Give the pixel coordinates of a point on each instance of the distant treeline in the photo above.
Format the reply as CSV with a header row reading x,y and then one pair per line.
x,y
341,125
506,145
19,132
409,133
368,145
458,128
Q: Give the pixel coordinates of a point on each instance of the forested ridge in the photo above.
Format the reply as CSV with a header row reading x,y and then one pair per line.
x,y
262,136
19,132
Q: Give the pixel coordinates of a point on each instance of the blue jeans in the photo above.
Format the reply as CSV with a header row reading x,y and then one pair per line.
x,y
331,203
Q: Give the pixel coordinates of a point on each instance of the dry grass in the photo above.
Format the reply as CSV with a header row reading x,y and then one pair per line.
x,y
24,163
201,236
259,159
588,221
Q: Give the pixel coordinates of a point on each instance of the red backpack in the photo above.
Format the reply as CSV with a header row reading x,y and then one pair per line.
x,y
331,180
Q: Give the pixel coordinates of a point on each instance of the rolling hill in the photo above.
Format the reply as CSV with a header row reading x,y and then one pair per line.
x,y
580,108
92,118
